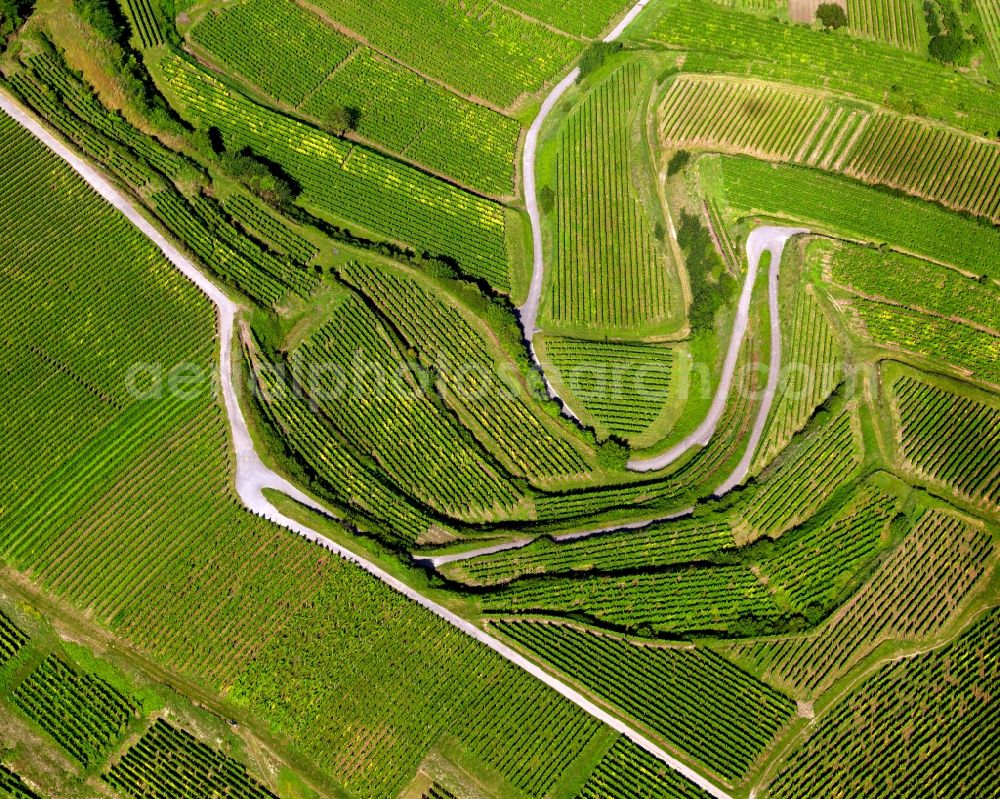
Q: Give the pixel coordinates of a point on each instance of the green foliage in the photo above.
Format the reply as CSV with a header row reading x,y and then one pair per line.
x,y
627,771
104,17
677,162
264,178
13,13
831,15
595,56
711,285
948,42
12,786
612,454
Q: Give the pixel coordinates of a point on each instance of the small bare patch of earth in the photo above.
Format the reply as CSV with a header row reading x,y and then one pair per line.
x,y
805,10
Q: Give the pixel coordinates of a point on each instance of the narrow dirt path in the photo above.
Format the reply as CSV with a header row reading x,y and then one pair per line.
x,y
253,476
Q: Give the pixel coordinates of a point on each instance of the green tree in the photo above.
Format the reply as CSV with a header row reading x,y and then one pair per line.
x,y
831,15
342,118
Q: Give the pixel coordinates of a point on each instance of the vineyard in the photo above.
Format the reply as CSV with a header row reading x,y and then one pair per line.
x,y
782,123
588,20
915,282
168,762
608,274
913,594
814,367
801,480
258,222
274,44
352,182
660,544
914,722
840,205
690,697
356,378
499,414
420,120
81,712
768,49
145,24
896,22
989,13
476,47
950,439
627,771
622,386
13,787
969,349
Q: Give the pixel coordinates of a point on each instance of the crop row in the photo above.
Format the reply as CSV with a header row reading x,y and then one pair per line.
x,y
692,698
477,47
814,358
627,771
914,593
449,342
12,638
801,481
608,273
144,22
261,224
660,544
168,762
843,205
13,787
967,348
989,15
624,386
916,722
354,183
950,439
896,22
81,712
357,379
274,44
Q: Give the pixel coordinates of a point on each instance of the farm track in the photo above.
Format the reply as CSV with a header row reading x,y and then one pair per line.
x,y
253,476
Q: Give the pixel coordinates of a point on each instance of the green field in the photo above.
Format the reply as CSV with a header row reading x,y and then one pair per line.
x,y
897,22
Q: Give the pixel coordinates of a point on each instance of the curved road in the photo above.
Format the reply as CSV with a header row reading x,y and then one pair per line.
x,y
252,476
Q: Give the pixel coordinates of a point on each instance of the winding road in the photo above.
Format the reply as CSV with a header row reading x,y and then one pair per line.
x,y
253,476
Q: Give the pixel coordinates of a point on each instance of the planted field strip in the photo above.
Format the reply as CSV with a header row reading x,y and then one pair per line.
x,y
144,23
913,594
989,14
13,787
588,19
352,482
12,639
167,763
694,478
358,380
718,39
624,386
768,121
801,481
814,364
81,712
819,563
274,44
411,679
688,601
422,121
436,791
782,123
43,294
914,722
627,772
966,348
915,282
354,183
262,225
959,171
896,22
608,273
475,46
445,336
834,203
692,698
660,544
950,440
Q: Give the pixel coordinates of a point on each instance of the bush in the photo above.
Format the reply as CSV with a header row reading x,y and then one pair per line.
x,y
710,283
13,13
678,162
831,15
612,454
595,55
547,199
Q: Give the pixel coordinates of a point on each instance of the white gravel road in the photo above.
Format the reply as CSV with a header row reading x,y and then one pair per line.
x,y
252,476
